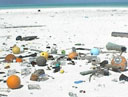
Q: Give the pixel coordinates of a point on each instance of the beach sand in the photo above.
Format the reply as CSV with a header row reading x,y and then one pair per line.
x,y
65,27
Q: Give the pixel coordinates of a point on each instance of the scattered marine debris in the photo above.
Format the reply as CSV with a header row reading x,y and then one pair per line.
x,y
40,65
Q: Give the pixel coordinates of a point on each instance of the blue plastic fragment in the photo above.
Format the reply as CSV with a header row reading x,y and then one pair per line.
x,y
78,82
57,64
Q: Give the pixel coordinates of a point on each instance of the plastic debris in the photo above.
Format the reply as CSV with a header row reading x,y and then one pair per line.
x,y
10,58
123,77
32,59
54,49
38,75
63,52
114,80
78,82
71,63
82,91
72,94
113,46
50,76
58,60
43,77
3,95
11,72
27,38
7,66
33,86
41,61
56,69
61,71
74,87
95,51
5,90
31,55
2,72
25,71
79,44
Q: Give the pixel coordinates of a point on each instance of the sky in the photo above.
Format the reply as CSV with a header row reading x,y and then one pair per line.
x,y
13,2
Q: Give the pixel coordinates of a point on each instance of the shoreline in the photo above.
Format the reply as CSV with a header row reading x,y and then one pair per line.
x,y
61,8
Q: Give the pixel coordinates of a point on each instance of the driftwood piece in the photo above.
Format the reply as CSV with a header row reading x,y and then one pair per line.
x,y
23,26
119,34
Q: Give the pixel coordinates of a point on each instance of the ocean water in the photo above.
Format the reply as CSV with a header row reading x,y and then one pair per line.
x,y
22,6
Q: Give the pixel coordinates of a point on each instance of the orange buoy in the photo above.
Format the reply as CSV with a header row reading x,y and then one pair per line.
x,y
119,61
13,82
72,55
10,58
19,60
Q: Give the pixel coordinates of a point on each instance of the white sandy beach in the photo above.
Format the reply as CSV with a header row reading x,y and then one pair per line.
x,y
65,27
